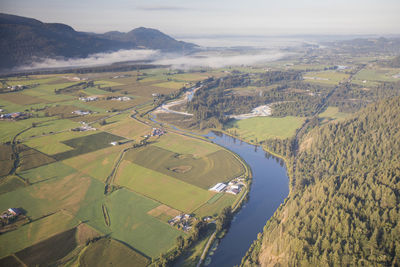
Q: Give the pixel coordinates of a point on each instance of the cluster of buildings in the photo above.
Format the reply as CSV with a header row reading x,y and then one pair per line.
x,y
15,87
84,128
89,98
121,98
157,132
81,112
13,116
11,213
182,221
233,187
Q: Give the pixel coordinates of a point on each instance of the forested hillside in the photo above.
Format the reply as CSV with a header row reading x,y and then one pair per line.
x,y
343,209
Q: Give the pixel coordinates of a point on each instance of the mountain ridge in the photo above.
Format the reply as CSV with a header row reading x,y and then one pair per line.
x,y
26,40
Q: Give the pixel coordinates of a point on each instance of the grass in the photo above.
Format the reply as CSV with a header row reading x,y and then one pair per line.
x,y
8,129
171,85
47,172
21,99
332,113
31,158
51,195
10,183
203,172
329,77
111,253
159,186
86,144
6,161
50,250
104,83
374,75
131,224
52,144
49,126
98,164
214,208
123,125
262,128
185,145
35,232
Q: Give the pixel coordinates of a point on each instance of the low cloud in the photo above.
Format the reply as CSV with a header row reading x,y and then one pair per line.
x,y
95,59
161,8
215,61
206,59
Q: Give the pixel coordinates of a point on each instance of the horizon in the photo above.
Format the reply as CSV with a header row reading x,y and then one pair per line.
x,y
258,18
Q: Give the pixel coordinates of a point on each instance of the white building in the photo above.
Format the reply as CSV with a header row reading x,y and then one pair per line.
x,y
218,187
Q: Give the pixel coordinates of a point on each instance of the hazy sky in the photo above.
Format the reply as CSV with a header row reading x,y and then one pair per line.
x,y
190,17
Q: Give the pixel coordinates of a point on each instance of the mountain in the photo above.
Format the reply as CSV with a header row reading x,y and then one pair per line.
x,y
149,38
24,40
343,209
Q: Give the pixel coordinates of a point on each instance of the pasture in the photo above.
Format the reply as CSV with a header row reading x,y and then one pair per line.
x,y
261,128
86,144
329,77
34,232
332,113
203,172
112,253
185,145
163,188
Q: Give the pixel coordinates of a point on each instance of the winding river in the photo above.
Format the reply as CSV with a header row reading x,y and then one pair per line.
x,y
269,188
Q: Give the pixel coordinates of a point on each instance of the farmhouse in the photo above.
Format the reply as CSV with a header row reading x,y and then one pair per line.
x,y
89,98
218,187
81,113
157,132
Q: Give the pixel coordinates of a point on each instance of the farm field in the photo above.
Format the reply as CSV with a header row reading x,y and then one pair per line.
x,y
155,185
332,113
326,77
60,179
203,172
112,253
262,128
184,145
34,232
377,75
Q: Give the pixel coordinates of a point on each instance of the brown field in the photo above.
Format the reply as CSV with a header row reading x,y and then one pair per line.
x,y
22,99
117,105
31,158
127,127
85,233
62,111
163,210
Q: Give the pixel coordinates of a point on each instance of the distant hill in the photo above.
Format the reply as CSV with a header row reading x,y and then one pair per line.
x,y
24,40
149,38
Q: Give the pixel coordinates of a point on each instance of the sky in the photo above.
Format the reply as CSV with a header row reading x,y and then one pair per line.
x,y
218,17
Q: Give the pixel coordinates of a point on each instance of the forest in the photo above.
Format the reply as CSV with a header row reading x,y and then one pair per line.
x,y
343,209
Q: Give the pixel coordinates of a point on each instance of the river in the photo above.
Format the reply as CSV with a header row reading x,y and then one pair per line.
x,y
270,186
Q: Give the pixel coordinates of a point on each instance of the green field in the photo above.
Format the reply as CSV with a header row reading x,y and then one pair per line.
x,y
203,172
376,75
98,164
111,253
34,232
159,186
30,158
47,172
326,77
49,126
171,84
214,208
184,145
52,144
8,129
332,113
261,128
86,144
